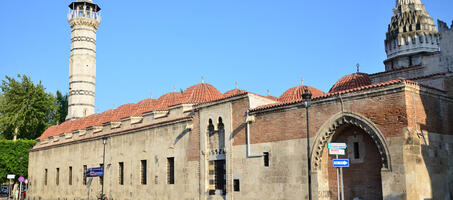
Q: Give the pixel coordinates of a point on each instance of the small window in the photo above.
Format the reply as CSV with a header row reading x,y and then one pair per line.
x,y
266,159
45,177
237,186
57,177
171,170
70,175
356,150
143,172
84,175
121,173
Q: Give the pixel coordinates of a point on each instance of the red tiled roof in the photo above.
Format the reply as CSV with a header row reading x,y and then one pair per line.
x,y
123,111
144,106
48,132
295,93
200,93
234,92
104,117
112,133
167,100
274,105
351,81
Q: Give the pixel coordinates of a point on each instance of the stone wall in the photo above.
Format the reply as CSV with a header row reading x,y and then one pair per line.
x,y
153,144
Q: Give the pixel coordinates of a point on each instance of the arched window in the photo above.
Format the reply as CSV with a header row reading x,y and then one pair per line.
x,y
211,127
220,125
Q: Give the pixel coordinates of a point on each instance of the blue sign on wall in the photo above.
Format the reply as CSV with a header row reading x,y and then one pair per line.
x,y
94,172
340,162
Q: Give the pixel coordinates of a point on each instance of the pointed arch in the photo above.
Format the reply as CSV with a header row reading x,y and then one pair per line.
x,y
327,130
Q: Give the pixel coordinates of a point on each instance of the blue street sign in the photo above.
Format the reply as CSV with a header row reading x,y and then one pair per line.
x,y
340,162
332,145
94,172
21,179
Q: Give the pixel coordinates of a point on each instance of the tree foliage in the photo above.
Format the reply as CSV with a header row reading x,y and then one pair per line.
x,y
14,158
25,107
62,106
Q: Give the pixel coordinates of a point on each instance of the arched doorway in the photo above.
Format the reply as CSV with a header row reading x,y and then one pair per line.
x,y
362,180
367,151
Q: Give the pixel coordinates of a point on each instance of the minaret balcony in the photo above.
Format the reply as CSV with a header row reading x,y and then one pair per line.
x,y
84,14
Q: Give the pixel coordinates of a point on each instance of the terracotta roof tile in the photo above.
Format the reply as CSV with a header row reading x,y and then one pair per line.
x,y
200,93
234,92
143,106
167,100
351,81
392,82
295,93
123,111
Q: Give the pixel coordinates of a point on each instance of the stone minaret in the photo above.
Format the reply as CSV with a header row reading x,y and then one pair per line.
x,y
411,34
84,20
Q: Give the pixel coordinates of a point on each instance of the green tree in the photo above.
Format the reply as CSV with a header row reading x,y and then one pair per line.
x,y
26,110
62,104
14,158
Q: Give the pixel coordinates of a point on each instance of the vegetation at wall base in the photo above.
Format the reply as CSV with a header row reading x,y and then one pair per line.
x,y
14,158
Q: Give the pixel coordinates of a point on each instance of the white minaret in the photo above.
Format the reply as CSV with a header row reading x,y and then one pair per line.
x,y
411,33
84,19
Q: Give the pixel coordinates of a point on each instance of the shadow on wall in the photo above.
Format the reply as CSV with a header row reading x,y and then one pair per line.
x,y
429,146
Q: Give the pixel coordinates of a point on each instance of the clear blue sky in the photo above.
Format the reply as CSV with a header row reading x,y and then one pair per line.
x,y
151,46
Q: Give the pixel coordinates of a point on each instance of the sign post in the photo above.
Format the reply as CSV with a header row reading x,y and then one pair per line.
x,y
21,179
339,149
10,177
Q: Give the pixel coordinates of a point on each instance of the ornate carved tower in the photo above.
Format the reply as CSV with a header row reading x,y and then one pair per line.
x,y
84,19
411,34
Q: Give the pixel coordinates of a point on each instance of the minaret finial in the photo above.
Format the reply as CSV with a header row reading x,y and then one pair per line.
x,y
174,88
302,81
202,79
268,92
236,85
151,95
358,67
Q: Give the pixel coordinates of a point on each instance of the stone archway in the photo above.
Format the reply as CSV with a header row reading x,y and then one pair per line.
x,y
337,125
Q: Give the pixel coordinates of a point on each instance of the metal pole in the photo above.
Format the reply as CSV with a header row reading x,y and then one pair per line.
x,y
338,183
308,151
20,190
103,169
342,188
9,189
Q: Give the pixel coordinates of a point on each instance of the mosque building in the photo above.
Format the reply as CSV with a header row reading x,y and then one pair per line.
x,y
202,144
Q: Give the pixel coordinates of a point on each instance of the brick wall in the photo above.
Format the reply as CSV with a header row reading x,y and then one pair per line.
x,y
386,111
194,139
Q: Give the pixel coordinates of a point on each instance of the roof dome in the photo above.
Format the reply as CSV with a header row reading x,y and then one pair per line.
x,y
350,82
234,92
167,100
201,93
295,93
144,106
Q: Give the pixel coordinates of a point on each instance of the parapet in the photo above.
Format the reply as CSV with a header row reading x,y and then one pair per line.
x,y
443,26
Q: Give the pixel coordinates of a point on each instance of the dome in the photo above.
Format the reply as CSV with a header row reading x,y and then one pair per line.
x,y
234,92
350,82
143,106
123,111
295,93
167,100
200,93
